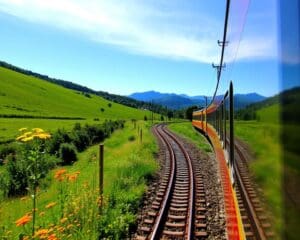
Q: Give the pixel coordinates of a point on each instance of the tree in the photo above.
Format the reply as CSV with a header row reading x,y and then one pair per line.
x,y
189,112
170,115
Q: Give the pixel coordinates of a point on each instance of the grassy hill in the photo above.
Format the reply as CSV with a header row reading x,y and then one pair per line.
x,y
76,87
26,96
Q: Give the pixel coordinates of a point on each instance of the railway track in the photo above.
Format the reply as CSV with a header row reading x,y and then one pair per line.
x,y
179,206
255,221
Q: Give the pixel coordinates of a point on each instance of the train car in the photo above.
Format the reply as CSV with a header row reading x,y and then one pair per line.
x,y
216,121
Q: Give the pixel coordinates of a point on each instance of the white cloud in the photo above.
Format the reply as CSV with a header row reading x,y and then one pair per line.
x,y
140,27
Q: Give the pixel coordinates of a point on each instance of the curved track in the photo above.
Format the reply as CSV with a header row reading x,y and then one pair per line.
x,y
178,211
255,221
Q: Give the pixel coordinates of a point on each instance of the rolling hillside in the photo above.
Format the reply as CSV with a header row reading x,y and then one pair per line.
x,y
27,101
123,100
29,96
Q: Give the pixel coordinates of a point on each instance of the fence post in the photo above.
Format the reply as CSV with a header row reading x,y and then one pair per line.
x,y
101,156
231,131
141,135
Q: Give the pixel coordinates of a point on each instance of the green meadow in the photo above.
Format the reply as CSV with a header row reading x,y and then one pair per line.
x,y
186,130
22,95
69,208
128,165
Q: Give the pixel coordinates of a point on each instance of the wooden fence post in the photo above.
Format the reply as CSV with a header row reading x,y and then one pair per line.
x,y
101,156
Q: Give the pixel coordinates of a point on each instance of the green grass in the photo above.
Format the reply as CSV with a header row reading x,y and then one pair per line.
x,y
127,166
24,95
9,127
269,114
263,137
187,131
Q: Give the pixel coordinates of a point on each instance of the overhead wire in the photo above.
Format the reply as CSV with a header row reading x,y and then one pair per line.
x,y
223,44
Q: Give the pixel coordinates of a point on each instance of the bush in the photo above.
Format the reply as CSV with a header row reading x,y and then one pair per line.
x,y
59,137
6,150
67,153
14,180
81,139
131,138
77,126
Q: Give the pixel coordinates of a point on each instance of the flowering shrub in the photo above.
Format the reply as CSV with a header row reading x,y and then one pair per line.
x,y
35,168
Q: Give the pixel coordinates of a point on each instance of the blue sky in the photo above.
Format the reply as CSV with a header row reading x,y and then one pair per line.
x,y
137,45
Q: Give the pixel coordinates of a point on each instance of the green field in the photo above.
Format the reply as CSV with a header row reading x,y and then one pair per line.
x,y
9,127
187,131
128,164
22,95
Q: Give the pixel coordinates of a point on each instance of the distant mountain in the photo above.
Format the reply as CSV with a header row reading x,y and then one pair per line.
x,y
178,101
174,101
148,96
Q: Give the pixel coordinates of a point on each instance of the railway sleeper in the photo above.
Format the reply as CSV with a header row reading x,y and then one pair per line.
x,y
200,234
201,209
148,221
152,214
176,224
183,192
146,229
200,217
183,198
175,209
173,233
200,225
176,217
179,205
178,201
182,186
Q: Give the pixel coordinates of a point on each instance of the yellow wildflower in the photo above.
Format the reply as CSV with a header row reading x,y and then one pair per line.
x,y
63,220
36,133
26,139
42,135
38,130
69,226
50,205
42,214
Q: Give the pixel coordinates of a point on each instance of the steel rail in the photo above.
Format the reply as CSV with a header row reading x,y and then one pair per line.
x,y
258,231
157,225
189,225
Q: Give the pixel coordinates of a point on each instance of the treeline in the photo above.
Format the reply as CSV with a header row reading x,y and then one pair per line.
x,y
40,117
111,97
289,101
